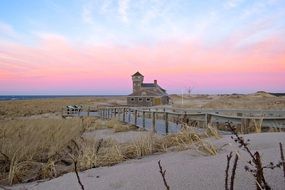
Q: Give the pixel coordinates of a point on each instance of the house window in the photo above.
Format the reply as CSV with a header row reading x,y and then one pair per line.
x,y
132,99
148,99
140,99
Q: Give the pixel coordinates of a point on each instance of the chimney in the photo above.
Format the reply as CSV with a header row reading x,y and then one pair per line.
x,y
155,82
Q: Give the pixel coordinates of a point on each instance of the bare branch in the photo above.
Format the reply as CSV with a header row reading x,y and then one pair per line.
x,y
77,175
282,158
76,171
162,172
234,172
227,170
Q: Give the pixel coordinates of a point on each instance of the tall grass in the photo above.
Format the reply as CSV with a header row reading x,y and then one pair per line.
x,y
40,148
26,143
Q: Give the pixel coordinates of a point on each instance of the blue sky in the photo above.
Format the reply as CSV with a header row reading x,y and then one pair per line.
x,y
127,21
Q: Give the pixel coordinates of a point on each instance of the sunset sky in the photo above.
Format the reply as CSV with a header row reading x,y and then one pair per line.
x,y
92,47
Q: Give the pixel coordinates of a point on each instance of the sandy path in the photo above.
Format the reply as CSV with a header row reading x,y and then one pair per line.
x,y
120,137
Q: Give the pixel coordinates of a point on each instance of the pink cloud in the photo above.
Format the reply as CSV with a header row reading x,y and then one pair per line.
x,y
56,64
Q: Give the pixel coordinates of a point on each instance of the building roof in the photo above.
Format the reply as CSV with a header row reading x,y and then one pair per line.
x,y
137,74
149,92
148,85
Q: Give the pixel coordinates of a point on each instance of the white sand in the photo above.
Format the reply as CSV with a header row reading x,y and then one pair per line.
x,y
185,170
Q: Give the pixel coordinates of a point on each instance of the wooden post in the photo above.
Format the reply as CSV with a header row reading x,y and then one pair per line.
x,y
153,122
245,125
166,122
124,114
136,117
143,119
88,111
115,112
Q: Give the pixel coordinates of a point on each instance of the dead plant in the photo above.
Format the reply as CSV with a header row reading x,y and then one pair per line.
x,y
163,172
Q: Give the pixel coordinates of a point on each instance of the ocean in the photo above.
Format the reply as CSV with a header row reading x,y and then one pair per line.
x,y
31,97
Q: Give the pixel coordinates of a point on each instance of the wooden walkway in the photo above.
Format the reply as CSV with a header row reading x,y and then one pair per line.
x,y
168,120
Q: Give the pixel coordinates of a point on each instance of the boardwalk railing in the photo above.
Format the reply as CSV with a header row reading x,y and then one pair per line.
x,y
166,121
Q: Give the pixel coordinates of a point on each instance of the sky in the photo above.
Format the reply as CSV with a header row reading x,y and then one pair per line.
x,y
92,47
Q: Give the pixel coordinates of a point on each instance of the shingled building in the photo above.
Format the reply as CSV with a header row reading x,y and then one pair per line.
x,y
146,94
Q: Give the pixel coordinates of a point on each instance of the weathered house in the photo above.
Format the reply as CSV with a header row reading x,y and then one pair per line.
x,y
146,94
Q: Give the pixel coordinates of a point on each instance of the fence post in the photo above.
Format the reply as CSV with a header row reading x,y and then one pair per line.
x,y
153,122
143,119
166,122
88,111
124,114
136,117
245,125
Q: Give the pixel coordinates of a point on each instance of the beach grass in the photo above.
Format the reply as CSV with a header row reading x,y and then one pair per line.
x,y
26,144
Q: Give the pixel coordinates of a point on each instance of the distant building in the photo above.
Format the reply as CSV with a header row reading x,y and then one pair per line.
x,y
146,94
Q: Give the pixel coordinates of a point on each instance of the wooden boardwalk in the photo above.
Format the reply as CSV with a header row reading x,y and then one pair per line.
x,y
168,120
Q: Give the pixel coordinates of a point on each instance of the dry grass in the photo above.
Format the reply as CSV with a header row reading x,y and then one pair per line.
x,y
24,144
22,108
212,131
112,152
54,140
257,124
249,101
